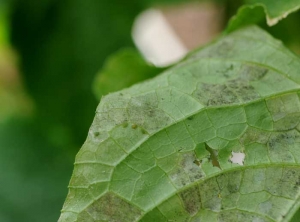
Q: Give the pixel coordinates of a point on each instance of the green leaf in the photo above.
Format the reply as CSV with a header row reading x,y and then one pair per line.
x,y
121,70
255,10
163,150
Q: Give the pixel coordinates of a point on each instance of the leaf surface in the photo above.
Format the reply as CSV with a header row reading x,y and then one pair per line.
x,y
255,10
163,150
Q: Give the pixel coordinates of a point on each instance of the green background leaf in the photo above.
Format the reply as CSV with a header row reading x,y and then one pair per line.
x,y
121,70
277,10
255,10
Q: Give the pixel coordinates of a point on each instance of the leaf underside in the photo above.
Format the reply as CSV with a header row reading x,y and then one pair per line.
x,y
161,150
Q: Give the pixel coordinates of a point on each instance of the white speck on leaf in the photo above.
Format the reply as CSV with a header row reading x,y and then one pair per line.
x,y
237,158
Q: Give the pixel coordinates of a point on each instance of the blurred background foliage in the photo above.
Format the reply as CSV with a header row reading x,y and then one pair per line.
x,y
50,52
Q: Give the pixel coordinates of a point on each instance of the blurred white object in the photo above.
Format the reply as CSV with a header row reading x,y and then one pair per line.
x,y
156,40
165,35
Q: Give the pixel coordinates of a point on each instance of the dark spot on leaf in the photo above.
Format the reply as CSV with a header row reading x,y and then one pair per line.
x,y
253,73
297,184
198,176
280,143
151,113
134,126
190,118
191,200
232,188
183,182
226,71
144,131
96,134
242,88
197,162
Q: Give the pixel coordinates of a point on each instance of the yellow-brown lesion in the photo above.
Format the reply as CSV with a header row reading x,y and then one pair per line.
x,y
213,156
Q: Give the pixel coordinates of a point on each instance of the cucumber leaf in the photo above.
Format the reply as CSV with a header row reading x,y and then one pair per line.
x,y
165,149
255,11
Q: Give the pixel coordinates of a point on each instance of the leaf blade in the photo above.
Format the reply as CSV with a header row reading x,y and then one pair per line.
x,y
152,130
